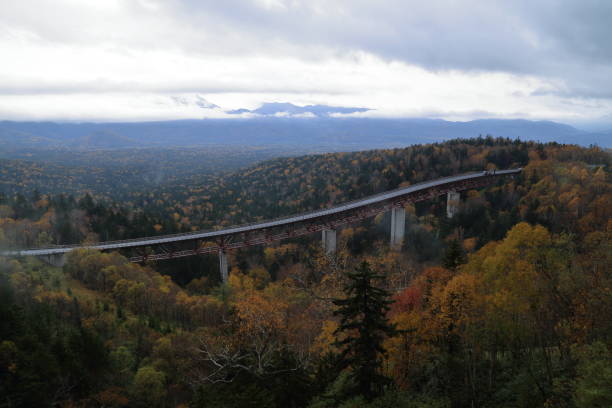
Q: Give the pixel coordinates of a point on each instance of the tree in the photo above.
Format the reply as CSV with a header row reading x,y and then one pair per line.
x,y
362,330
454,256
149,387
594,376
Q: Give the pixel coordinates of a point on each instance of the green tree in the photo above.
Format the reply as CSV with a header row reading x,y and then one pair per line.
x,y
453,256
149,387
123,362
362,330
594,376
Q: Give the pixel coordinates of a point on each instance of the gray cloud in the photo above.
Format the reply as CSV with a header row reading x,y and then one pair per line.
x,y
444,34
565,42
42,87
559,38
513,36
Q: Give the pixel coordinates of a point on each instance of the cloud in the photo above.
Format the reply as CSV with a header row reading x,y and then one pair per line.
x,y
550,58
562,40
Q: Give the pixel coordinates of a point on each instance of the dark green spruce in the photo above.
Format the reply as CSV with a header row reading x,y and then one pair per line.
x,y
454,256
363,328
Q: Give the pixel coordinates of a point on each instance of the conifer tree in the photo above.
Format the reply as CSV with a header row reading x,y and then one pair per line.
x,y
454,256
364,326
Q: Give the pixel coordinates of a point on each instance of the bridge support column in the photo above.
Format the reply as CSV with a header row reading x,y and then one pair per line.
x,y
452,203
57,260
223,266
329,241
398,226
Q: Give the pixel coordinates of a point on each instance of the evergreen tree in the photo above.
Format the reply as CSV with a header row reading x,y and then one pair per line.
x,y
364,326
453,256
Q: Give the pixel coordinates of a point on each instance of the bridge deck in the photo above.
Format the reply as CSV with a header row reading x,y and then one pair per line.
x,y
204,235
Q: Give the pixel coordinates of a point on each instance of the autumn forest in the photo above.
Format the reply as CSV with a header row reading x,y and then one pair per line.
x,y
506,304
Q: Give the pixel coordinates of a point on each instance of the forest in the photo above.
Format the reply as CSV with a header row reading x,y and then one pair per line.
x,y
96,170
507,304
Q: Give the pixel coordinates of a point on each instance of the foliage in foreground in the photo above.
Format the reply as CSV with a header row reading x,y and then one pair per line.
x,y
517,317
363,327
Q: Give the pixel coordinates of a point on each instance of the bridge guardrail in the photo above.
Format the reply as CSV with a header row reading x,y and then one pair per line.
x,y
303,216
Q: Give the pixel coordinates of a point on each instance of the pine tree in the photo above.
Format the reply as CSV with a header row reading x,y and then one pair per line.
x,y
364,327
454,256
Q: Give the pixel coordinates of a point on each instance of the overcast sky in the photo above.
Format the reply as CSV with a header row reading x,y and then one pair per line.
x,y
156,59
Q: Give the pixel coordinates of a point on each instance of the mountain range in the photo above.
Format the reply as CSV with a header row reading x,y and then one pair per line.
x,y
289,109
324,133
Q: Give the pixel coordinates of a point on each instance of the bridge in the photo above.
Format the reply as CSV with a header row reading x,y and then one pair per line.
x,y
326,221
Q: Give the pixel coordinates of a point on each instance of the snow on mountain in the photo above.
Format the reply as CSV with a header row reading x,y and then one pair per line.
x,y
194,100
285,109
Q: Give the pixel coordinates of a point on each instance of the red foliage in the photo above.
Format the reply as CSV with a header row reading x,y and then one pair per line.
x,y
407,300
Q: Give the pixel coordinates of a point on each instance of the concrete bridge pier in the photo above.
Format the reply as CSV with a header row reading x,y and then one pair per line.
x,y
57,260
223,266
329,241
453,198
398,227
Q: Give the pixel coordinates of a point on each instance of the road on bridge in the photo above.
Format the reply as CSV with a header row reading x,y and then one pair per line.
x,y
295,225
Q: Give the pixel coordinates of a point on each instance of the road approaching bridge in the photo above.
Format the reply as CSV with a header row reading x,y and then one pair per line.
x,y
326,220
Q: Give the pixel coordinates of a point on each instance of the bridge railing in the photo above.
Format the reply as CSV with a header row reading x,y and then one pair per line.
x,y
302,216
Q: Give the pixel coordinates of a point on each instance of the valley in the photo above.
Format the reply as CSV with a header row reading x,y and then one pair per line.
x,y
510,292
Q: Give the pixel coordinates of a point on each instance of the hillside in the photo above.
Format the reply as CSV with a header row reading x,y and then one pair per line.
x,y
117,173
506,304
330,134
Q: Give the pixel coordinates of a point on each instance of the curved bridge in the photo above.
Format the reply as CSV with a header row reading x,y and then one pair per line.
x,y
326,220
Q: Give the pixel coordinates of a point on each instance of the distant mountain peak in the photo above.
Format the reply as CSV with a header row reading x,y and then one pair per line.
x,y
289,109
194,100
